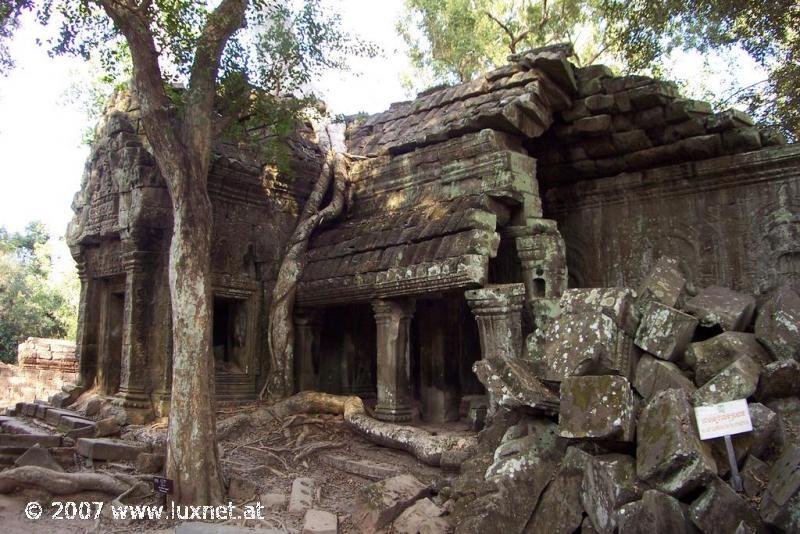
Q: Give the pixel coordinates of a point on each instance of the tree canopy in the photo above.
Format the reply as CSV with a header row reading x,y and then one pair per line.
x,y
454,40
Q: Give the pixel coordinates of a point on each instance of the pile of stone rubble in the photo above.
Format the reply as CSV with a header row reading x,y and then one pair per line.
x,y
593,426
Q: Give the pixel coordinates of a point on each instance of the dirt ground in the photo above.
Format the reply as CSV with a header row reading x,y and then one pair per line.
x,y
271,457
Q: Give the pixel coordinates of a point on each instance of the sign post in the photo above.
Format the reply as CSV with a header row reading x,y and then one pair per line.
x,y
724,420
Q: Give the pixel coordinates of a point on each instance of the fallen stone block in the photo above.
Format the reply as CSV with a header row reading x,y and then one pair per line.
x,y
781,499
514,385
361,467
320,522
609,482
53,415
29,409
15,426
560,510
788,410
597,407
93,406
68,422
665,283
273,501
108,426
150,463
654,375
779,379
109,449
29,440
755,475
711,356
669,453
737,381
664,332
422,516
656,512
720,509
778,324
40,457
616,303
379,504
722,307
302,496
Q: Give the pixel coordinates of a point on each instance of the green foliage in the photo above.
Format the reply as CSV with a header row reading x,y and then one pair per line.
x,y
10,11
33,302
454,40
647,31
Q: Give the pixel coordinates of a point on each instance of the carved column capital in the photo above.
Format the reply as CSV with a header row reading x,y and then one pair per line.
x,y
497,309
499,300
393,310
137,260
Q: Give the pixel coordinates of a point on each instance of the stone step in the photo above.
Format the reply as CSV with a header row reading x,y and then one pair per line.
x,y
68,422
109,449
53,415
29,409
17,426
29,440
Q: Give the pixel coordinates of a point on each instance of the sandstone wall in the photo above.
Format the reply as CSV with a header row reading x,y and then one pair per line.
x,y
732,220
44,365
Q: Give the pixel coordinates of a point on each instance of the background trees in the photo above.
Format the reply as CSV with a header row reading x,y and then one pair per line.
x,y
33,302
454,40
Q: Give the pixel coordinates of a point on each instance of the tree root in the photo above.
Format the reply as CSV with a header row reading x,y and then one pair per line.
x,y
423,445
58,483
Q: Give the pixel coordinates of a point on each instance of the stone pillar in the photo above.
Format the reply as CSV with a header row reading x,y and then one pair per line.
x,y
85,336
544,269
307,331
134,394
497,310
393,319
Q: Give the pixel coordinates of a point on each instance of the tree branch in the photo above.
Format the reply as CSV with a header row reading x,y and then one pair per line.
x,y
512,45
223,22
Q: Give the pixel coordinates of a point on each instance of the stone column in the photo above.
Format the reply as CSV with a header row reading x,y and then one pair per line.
x,y
544,268
497,310
393,319
134,393
85,336
307,330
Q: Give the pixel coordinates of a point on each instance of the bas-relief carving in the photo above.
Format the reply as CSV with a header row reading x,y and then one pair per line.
x,y
774,235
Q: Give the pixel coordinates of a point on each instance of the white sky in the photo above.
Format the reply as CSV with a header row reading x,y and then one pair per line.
x,y
41,155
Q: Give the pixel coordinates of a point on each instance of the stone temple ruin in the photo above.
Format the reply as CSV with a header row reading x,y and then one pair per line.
x,y
572,258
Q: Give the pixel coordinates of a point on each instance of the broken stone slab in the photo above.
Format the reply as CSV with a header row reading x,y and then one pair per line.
x,y
778,324
656,512
609,482
560,510
109,449
362,467
302,496
503,499
40,457
669,453
711,356
29,440
196,527
722,307
780,501
380,503
320,522
788,410
737,381
273,501
654,375
67,423
422,517
779,379
664,332
665,283
150,463
53,416
514,385
755,475
720,509
597,407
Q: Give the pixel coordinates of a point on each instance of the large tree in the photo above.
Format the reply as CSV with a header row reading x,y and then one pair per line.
x,y
187,42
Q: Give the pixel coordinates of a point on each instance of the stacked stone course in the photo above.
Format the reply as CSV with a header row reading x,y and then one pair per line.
x,y
43,367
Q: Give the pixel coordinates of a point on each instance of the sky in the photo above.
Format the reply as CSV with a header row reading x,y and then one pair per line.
x,y
41,150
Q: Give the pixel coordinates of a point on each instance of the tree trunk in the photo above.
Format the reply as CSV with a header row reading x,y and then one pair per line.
x,y
280,333
192,456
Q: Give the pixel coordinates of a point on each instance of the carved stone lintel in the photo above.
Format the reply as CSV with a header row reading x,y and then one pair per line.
x,y
393,319
497,310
